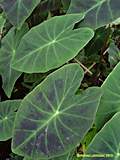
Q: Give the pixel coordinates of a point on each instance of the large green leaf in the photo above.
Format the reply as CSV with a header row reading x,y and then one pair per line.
x,y
18,10
51,44
7,116
110,100
106,144
52,119
8,48
98,12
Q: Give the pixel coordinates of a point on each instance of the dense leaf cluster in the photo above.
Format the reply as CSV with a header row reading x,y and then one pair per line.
x,y
60,73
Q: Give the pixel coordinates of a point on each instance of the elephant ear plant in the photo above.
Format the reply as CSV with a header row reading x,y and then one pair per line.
x,y
55,103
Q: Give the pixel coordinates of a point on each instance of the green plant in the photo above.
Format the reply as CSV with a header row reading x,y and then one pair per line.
x,y
60,71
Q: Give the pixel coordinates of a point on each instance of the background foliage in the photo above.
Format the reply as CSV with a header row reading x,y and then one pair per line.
x,y
59,73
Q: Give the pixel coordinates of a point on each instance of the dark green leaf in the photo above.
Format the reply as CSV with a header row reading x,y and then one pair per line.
x,y
46,124
106,144
98,12
48,45
8,48
18,10
7,115
110,100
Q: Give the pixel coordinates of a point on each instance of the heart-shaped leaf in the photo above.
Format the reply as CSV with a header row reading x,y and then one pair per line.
x,y
8,48
7,115
106,144
18,10
52,119
98,12
51,44
110,100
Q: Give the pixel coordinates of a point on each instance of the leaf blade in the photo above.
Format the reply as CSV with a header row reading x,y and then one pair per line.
x,y
51,47
109,103
51,105
106,144
7,115
8,48
98,13
18,11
